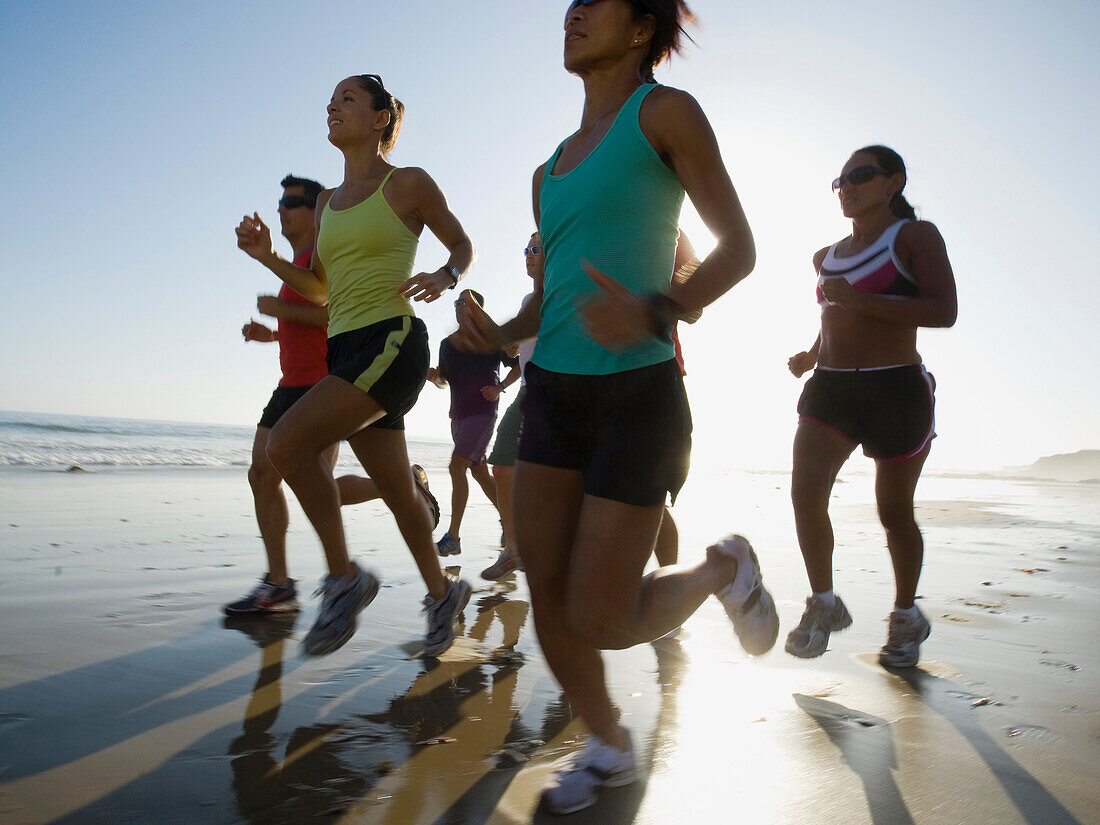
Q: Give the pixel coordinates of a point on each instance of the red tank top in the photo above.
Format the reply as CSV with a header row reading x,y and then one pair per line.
x,y
302,348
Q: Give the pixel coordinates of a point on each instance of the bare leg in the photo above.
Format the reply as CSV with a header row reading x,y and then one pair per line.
x,y
272,515
384,456
356,490
460,493
505,477
271,510
484,478
584,557
895,486
667,550
298,447
819,453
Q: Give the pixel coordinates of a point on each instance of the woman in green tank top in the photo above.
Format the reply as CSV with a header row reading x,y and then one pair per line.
x,y
605,427
367,233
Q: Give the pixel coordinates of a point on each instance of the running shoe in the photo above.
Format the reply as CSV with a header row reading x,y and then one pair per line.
x,y
442,614
903,639
265,598
811,637
747,602
577,779
449,545
421,479
506,563
342,601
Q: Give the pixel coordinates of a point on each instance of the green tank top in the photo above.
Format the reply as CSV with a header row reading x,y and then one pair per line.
x,y
367,252
619,208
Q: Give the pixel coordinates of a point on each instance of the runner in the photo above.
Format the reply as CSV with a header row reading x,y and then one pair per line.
x,y
367,234
875,288
606,426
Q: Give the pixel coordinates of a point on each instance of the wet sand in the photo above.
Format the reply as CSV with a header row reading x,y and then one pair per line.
x,y
126,697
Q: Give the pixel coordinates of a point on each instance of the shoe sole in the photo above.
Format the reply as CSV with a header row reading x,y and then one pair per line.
x,y
618,781
421,479
437,651
767,603
906,662
274,610
368,596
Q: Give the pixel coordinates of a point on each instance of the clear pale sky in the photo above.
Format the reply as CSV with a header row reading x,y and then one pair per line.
x,y
134,136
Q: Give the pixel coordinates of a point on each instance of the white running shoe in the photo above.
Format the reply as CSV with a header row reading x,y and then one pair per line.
x,y
903,640
442,614
811,637
343,599
748,603
506,563
577,778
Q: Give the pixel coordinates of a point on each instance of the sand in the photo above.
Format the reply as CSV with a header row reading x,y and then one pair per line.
x,y
125,697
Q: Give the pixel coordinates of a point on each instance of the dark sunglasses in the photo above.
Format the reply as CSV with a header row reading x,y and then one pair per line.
x,y
531,250
858,176
575,4
294,201
461,302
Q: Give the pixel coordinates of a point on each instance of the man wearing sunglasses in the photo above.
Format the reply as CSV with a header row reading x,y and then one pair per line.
x,y
475,389
302,337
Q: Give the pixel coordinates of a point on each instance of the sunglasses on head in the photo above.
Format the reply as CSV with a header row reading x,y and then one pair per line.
x,y
859,175
531,250
294,201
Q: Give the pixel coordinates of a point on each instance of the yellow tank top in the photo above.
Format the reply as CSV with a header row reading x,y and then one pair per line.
x,y
367,252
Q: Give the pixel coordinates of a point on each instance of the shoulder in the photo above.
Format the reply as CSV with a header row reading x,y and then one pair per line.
x,y
918,236
411,178
819,257
671,118
666,100
323,199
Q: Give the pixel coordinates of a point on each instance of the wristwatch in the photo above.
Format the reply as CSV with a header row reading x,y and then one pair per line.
x,y
454,273
664,312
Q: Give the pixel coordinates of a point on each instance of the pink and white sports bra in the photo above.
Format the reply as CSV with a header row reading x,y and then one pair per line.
x,y
874,271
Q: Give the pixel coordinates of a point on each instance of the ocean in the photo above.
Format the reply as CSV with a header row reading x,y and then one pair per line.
x,y
60,442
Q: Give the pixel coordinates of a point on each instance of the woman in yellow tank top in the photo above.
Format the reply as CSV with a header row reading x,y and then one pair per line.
x,y
367,232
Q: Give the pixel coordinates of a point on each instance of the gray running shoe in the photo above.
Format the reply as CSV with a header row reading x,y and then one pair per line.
x,y
747,602
442,615
811,637
449,545
903,640
506,563
421,479
342,601
577,778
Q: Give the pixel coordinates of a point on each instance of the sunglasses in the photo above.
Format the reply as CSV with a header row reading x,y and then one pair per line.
x,y
531,250
294,201
858,176
461,302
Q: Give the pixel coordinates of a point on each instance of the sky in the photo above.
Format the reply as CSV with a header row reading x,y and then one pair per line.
x,y
136,135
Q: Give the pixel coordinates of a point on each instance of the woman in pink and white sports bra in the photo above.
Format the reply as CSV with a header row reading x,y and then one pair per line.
x,y
875,288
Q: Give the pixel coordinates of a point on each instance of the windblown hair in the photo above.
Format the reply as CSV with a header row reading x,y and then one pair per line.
x,y
669,17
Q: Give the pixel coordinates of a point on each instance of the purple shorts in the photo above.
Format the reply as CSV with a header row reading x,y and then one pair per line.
x,y
471,436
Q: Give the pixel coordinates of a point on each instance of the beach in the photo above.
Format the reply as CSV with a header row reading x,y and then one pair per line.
x,y
126,696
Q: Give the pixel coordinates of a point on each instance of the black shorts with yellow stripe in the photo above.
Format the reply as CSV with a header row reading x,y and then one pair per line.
x,y
387,360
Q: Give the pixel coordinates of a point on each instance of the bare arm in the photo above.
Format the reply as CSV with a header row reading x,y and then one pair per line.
x,y
430,209
310,316
254,237
922,251
684,266
802,362
477,332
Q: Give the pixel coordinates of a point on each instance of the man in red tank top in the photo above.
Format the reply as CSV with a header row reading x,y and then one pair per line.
x,y
303,341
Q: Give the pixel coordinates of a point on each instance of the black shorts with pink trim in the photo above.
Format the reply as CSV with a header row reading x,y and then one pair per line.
x,y
890,411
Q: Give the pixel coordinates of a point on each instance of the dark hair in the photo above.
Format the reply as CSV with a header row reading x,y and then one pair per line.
x,y
311,187
382,99
669,18
891,161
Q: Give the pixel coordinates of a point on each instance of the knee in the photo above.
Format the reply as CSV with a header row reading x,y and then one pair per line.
x,y
263,476
808,496
897,518
283,453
